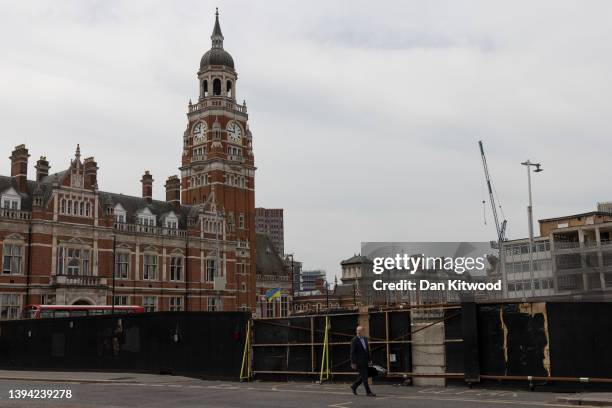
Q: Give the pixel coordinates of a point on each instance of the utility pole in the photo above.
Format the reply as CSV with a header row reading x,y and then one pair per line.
x,y
538,169
114,273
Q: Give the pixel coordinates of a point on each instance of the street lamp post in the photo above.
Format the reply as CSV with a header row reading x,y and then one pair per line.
x,y
327,296
293,291
528,164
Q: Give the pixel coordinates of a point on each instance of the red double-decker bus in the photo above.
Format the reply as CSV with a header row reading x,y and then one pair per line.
x,y
46,311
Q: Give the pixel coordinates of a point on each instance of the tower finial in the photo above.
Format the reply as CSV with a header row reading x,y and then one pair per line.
x,y
217,36
77,154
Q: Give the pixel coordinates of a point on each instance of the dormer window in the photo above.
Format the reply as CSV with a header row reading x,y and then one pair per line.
x,y
11,200
120,214
146,217
172,221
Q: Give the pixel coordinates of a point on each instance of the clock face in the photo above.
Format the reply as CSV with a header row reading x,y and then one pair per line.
x,y
234,132
199,132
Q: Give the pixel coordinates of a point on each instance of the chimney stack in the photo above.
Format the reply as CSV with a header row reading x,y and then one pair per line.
x,y
19,167
147,186
42,168
173,191
90,169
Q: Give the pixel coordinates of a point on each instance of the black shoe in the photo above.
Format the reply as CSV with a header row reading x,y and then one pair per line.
x,y
371,394
354,390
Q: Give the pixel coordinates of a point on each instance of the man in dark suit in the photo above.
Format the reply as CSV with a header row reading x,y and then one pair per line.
x,y
361,359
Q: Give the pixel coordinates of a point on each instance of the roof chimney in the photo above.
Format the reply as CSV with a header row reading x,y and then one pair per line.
x,y
19,167
90,169
42,168
173,191
147,186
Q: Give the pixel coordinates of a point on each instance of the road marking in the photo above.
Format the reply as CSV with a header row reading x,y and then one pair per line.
x,y
340,404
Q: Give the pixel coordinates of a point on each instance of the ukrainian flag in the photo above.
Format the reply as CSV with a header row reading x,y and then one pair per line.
x,y
272,294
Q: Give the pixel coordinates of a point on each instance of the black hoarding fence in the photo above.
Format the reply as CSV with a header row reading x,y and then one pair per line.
x,y
201,344
294,347
552,342
290,346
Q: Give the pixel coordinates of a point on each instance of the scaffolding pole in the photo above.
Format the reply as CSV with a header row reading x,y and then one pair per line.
x,y
246,372
325,355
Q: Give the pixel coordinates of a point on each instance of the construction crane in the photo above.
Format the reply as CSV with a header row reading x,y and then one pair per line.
x,y
500,228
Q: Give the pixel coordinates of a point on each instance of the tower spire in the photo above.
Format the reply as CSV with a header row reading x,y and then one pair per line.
x,y
217,35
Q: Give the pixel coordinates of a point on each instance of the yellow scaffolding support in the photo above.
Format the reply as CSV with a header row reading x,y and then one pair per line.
x,y
325,355
246,372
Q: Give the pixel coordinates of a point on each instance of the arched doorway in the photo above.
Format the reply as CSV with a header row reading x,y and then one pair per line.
x,y
82,302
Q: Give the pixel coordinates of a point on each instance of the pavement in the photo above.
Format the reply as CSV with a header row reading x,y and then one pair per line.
x,y
593,399
115,390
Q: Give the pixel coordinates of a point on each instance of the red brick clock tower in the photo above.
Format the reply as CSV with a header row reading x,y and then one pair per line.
x,y
217,160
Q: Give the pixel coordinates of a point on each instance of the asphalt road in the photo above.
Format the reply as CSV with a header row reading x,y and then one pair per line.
x,y
196,393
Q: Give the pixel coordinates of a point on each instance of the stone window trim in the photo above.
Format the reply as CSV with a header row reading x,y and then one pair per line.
x,y
150,265
10,200
149,303
176,267
13,254
122,263
10,306
175,304
171,221
74,259
121,300
120,213
75,205
211,269
146,217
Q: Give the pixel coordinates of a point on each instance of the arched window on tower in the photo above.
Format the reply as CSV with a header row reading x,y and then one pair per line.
x,y
204,88
228,89
216,87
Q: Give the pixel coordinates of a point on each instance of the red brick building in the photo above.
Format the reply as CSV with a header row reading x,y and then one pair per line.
x,y
62,237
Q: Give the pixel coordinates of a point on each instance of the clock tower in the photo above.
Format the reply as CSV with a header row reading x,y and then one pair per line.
x,y
217,160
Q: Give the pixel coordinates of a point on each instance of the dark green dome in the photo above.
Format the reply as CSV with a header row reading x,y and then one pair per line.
x,y
217,56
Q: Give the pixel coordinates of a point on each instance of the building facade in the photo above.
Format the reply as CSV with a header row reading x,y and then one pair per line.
x,y
572,259
272,273
310,280
66,242
269,222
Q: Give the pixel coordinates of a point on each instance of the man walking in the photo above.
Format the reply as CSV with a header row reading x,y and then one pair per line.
x,y
360,361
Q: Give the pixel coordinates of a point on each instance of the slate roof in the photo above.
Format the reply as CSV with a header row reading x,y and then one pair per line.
x,y
343,290
355,259
26,198
268,261
131,204
161,209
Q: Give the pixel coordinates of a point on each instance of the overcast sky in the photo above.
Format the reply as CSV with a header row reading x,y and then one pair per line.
x,y
365,115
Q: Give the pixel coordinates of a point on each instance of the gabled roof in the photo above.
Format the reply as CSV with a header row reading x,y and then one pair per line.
x,y
55,177
356,259
32,187
344,290
268,261
161,209
131,204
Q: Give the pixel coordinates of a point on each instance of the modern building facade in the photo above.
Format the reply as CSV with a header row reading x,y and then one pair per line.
x,y
572,259
64,241
269,222
310,280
